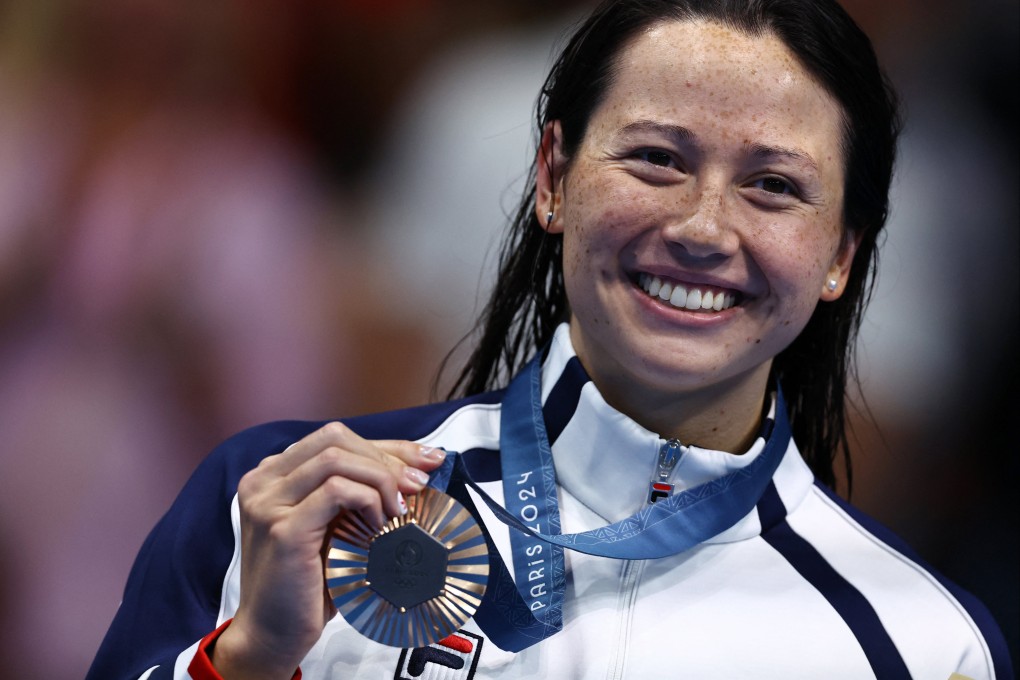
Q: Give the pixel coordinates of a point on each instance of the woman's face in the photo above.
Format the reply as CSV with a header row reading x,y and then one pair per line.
x,y
713,165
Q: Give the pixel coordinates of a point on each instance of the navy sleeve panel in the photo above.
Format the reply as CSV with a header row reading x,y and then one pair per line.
x,y
173,592
978,612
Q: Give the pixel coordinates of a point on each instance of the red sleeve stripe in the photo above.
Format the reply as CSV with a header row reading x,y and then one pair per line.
x,y
201,667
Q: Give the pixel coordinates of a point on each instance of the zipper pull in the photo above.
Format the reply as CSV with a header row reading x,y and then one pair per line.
x,y
669,456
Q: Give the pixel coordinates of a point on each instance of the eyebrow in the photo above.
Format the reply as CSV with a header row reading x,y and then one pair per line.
x,y
765,152
677,133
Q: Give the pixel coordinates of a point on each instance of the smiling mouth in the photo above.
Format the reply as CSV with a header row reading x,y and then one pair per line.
x,y
691,298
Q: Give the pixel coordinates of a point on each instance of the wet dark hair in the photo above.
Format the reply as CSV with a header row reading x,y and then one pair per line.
x,y
529,300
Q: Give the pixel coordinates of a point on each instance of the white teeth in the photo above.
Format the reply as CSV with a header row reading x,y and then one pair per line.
x,y
680,297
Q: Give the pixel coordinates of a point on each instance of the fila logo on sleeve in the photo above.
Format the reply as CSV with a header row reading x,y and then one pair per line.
x,y
455,657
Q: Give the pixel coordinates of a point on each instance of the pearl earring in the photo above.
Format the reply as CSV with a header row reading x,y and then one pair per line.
x,y
832,284
548,219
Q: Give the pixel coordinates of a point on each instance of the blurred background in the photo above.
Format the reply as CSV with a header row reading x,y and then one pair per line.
x,y
215,213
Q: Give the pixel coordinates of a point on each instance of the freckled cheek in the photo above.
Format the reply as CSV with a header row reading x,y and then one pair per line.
x,y
603,220
795,258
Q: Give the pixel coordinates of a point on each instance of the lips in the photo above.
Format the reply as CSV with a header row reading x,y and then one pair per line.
x,y
695,298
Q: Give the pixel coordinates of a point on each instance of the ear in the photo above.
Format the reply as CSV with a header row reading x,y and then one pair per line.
x,y
839,271
549,180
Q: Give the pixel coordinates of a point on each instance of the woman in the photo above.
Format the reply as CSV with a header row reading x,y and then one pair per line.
x,y
690,268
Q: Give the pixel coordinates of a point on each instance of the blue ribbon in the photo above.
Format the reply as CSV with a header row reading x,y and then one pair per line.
x,y
518,615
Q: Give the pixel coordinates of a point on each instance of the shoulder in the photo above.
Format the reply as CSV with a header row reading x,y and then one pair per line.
x,y
925,614
471,417
430,421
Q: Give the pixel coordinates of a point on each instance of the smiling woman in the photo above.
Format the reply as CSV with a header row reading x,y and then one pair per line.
x,y
686,272
716,185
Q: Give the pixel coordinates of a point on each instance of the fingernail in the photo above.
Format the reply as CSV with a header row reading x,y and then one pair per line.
x,y
402,502
431,453
416,475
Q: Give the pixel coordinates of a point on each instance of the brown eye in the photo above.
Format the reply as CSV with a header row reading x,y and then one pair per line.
x,y
774,185
659,158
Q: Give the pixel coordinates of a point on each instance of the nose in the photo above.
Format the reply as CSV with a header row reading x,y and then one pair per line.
x,y
700,227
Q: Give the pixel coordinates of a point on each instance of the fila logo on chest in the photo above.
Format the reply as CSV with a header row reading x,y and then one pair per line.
x,y
455,657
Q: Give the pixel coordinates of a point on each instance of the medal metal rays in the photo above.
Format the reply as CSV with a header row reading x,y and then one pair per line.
x,y
415,581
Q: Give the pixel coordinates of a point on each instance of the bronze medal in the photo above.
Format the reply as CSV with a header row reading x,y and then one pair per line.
x,y
416,580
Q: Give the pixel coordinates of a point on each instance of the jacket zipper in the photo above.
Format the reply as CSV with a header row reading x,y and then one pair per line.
x,y
659,487
630,580
669,455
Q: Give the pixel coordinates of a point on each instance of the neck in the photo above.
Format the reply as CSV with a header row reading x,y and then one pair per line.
x,y
723,417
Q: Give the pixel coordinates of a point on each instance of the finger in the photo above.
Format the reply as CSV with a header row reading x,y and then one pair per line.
x,y
322,506
332,434
408,461
338,463
412,453
371,465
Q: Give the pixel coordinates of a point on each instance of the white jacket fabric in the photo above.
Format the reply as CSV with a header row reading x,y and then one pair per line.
x,y
803,586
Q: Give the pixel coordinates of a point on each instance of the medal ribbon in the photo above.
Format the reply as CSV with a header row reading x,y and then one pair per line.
x,y
518,615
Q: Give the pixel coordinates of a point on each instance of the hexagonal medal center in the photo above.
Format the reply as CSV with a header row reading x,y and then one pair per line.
x,y
407,566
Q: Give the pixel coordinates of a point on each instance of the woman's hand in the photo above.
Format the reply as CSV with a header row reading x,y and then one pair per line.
x,y
287,504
